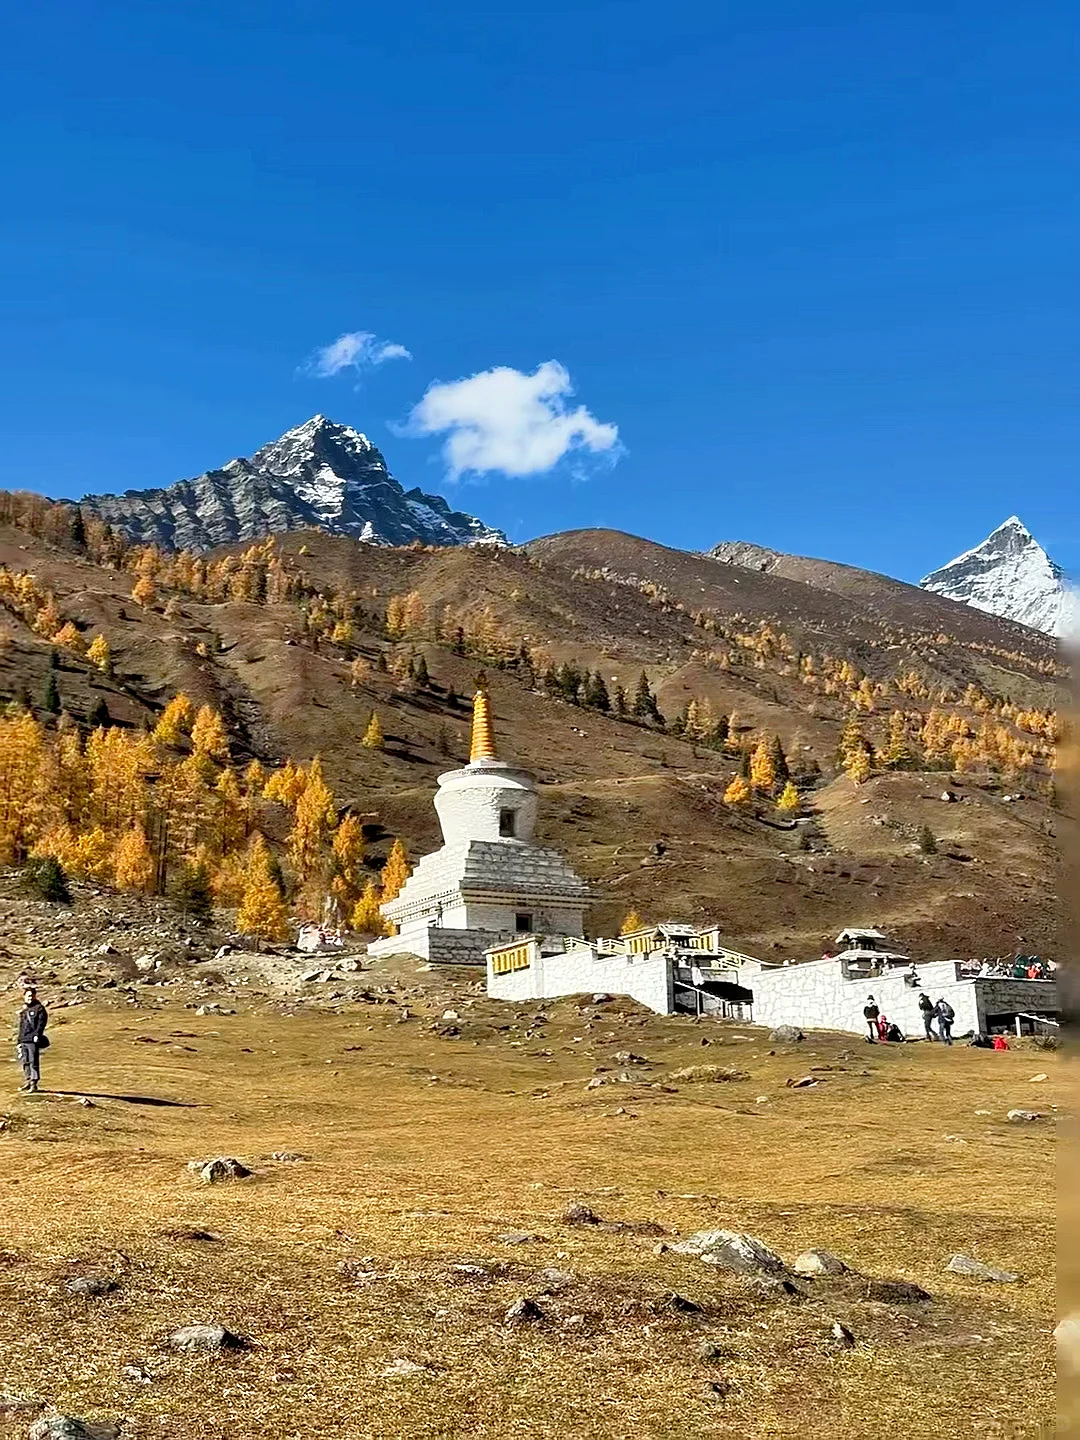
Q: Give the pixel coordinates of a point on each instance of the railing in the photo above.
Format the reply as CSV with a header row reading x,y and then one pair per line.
x,y
514,957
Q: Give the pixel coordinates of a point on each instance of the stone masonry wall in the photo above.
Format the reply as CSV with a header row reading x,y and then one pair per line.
x,y
645,978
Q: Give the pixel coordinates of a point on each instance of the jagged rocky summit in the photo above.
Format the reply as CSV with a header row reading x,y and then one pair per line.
x,y
321,474
1010,574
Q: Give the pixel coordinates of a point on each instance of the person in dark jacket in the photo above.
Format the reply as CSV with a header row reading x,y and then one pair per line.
x,y
945,1016
30,1039
926,1010
870,1015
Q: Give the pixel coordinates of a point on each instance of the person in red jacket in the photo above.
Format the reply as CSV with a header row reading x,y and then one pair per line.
x,y
1000,1043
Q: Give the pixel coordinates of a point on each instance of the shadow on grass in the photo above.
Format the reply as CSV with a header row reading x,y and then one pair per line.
x,y
127,1099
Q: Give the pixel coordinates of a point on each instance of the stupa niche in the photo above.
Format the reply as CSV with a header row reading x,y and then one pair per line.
x,y
488,882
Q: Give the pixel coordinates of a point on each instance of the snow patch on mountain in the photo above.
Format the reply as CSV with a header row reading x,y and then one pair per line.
x,y
318,475
1010,574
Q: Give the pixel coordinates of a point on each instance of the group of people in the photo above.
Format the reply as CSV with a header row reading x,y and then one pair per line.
x,y
1022,967
882,1029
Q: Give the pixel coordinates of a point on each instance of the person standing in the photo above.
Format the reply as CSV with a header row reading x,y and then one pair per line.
x,y
870,1015
31,1038
926,1010
945,1016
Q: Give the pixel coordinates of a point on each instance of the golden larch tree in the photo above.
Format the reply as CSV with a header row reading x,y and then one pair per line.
x,y
176,721
263,914
313,821
762,769
396,871
631,921
374,739
208,735
366,917
134,861
98,653
738,792
788,803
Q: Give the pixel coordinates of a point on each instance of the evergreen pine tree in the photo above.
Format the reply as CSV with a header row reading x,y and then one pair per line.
x,y
420,673
620,702
45,879
779,760
50,698
99,717
596,693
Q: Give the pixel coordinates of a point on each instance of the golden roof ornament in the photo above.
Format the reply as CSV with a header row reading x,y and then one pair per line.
x,y
483,731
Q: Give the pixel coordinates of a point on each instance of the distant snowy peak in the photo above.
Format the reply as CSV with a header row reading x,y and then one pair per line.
x,y
320,474
1010,574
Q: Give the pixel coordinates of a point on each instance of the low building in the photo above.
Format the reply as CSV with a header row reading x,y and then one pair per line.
x,y
671,968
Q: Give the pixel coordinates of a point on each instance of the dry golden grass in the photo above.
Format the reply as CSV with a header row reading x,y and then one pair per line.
x,y
336,1266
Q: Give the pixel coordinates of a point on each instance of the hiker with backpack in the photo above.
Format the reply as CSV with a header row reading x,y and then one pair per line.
x,y
926,1010
870,1015
945,1015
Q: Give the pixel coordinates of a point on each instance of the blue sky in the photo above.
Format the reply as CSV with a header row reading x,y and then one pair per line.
x,y
815,264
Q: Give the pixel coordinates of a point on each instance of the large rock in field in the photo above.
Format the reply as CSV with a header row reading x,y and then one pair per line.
x,y
786,1035
204,1339
976,1270
819,1262
733,1250
221,1168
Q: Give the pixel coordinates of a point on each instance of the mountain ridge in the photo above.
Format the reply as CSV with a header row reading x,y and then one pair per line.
x,y
319,474
1010,575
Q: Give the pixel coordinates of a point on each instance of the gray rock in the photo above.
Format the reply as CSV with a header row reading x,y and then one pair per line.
x,y
551,1281
819,1262
524,1312
289,1157
67,1427
1023,1117
672,1301
733,1250
204,1339
600,998
519,1237
91,1285
976,1270
786,1035
842,1335
402,1369
222,1167
580,1215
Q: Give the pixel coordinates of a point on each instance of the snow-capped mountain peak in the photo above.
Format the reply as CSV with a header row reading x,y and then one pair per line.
x,y
1010,574
319,474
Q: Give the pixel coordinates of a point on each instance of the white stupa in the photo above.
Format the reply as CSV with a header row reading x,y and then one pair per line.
x,y
489,881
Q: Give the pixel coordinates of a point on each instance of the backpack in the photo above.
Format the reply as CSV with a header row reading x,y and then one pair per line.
x,y
946,1011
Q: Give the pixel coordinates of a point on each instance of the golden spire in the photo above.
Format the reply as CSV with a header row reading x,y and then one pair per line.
x,y
483,732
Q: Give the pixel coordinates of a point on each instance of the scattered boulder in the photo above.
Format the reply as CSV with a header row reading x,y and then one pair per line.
x,y
896,1292
402,1369
222,1167
627,1057
786,1035
733,1250
524,1312
696,1074
600,998
580,1215
843,1337
976,1270
204,1339
91,1285
1023,1117
67,1427
551,1281
804,1082
672,1302
819,1262
1037,1079
519,1237
289,1157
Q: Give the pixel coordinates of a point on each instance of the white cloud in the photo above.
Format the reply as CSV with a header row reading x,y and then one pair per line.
x,y
356,350
508,421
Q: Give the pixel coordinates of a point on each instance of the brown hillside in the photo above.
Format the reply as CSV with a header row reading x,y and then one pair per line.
x,y
614,789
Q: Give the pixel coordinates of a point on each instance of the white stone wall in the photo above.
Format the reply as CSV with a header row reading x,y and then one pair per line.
x,y
816,996
645,978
